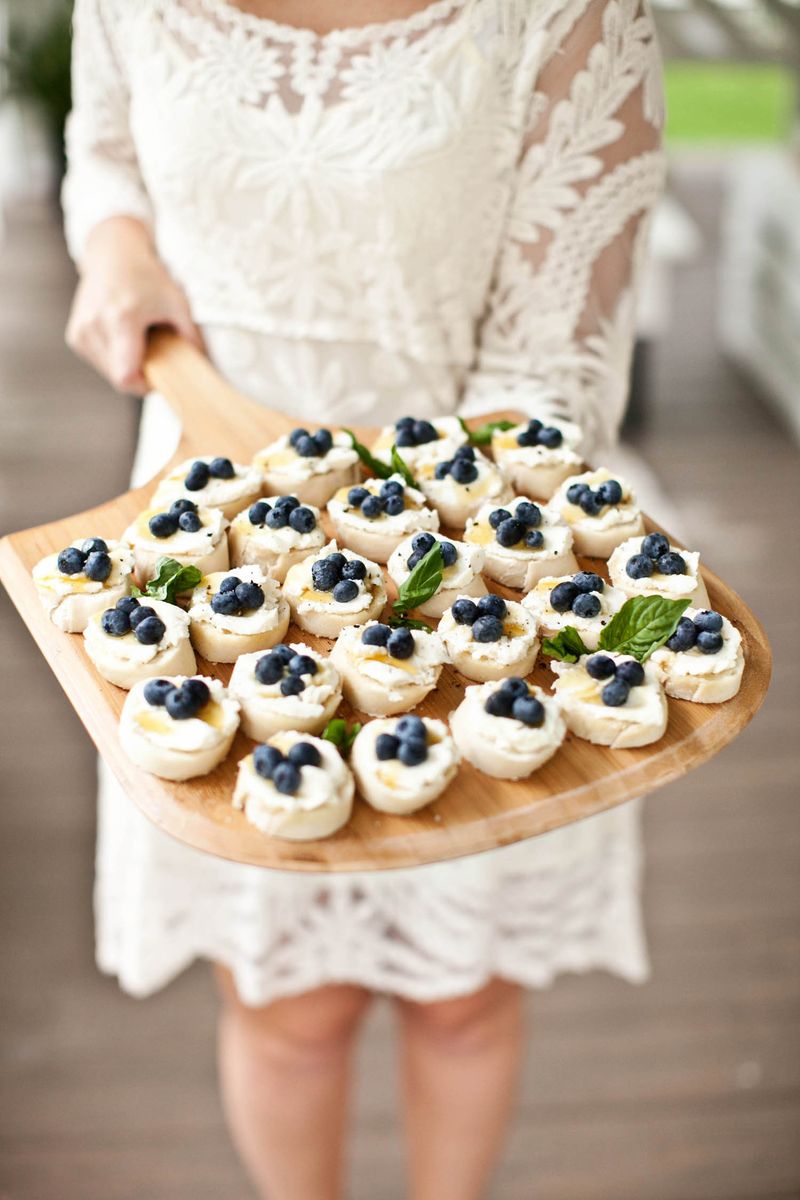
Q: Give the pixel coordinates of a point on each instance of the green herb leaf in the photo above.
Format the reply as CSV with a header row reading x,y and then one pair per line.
x,y
642,625
422,583
482,436
409,623
381,469
400,467
566,646
337,731
171,578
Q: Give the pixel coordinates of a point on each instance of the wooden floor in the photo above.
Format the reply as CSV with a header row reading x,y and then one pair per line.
x,y
687,1088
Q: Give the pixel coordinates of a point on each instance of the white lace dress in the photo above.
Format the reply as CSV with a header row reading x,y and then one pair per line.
x,y
441,213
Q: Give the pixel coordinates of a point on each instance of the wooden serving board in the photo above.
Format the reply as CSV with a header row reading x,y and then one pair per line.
x,y
476,812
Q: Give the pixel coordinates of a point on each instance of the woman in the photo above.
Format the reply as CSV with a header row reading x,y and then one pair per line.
x,y
439,208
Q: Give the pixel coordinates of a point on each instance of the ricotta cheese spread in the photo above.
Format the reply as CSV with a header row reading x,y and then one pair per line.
x,y
281,460
213,724
53,585
256,620
128,649
415,515
460,574
182,543
609,517
519,637
299,587
557,536
394,675
319,786
306,705
246,481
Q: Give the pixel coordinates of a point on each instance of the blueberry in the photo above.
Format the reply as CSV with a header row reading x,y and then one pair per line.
x,y
404,423
163,525
258,512
709,641
497,517
98,566
412,751
229,583
354,568
277,518
413,559
515,686
510,532
356,496
288,502
449,553
323,439
345,590
708,621
303,664
376,635
189,522
71,561
654,545
140,614
563,596
465,612
394,505
405,437
250,595
127,604
269,668
487,629
600,666
197,476
423,542
588,581
292,685
586,604
499,703
684,637
197,691
672,563
286,778
609,492
411,727
266,759
464,471
372,507
615,693
639,566
325,574
296,435
442,469
529,711
221,468
534,539
181,505
465,451
534,425
306,447
492,606
631,671
226,604
424,432
305,754
115,623
576,490
94,545
527,437
302,519
181,705
386,746
150,631
157,690
550,437
528,513
283,653
391,487
590,502
400,643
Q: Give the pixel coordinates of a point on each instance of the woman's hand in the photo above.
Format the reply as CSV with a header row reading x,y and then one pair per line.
x,y
123,291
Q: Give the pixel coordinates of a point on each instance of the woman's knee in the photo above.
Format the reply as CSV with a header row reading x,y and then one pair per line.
x,y
468,1022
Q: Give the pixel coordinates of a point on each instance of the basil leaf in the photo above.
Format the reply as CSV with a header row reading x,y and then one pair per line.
x,y
171,578
566,646
422,583
409,623
399,467
336,731
642,625
482,436
381,469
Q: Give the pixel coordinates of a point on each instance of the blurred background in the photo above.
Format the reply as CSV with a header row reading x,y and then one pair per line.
x,y
687,1088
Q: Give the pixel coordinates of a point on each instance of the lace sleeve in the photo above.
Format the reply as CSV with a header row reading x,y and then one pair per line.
x,y
103,178
559,328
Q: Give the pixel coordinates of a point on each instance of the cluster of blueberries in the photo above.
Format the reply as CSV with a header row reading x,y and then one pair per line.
x,y
423,543
200,472
415,433
539,434
311,445
182,702
181,514
486,616
91,559
578,595
389,501
409,742
129,615
398,643
462,467
704,632
287,510
284,769
521,527
655,556
513,699
622,677
339,575
594,501
283,664
237,596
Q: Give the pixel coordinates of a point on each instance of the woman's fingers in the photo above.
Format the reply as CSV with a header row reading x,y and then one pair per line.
x,y
126,355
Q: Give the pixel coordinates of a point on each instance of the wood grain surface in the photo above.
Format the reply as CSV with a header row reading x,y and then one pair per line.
x,y
476,812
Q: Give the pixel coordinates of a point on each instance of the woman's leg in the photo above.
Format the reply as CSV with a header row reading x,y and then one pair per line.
x,y
461,1059
284,1072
